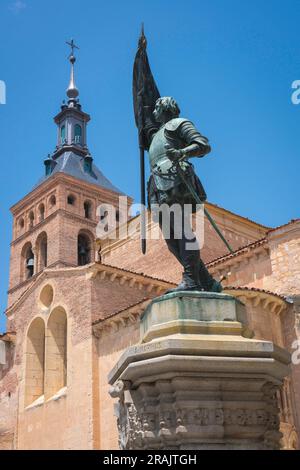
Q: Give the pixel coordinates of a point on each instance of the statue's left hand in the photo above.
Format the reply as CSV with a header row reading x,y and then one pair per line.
x,y
173,154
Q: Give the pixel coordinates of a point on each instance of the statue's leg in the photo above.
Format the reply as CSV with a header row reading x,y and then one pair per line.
x,y
171,241
193,261
190,254
177,242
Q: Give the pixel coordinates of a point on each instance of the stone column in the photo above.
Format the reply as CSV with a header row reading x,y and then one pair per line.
x,y
198,379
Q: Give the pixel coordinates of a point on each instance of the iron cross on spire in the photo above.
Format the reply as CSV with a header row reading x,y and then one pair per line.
x,y
73,46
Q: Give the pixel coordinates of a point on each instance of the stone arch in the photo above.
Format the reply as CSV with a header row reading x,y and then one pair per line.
x,y
56,352
41,248
35,360
85,247
27,262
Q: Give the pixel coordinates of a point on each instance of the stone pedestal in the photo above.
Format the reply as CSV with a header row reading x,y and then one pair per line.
x,y
198,379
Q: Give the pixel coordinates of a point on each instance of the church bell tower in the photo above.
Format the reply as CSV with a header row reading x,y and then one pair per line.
x,y
54,225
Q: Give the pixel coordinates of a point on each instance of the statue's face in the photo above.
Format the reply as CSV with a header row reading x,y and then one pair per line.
x,y
165,109
158,112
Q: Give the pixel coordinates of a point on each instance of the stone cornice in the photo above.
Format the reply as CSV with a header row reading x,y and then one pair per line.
x,y
257,297
123,276
255,249
292,227
131,314
52,181
242,255
91,271
120,319
71,111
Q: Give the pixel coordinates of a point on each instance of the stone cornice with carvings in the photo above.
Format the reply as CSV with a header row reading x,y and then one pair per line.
x,y
276,304
124,276
120,319
259,298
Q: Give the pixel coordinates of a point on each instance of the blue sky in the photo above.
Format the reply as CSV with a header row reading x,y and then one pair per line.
x,y
229,63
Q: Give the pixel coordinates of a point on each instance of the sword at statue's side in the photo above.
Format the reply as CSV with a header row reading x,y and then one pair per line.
x,y
198,201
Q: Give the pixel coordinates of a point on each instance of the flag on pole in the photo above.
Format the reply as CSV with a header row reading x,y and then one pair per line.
x,y
145,94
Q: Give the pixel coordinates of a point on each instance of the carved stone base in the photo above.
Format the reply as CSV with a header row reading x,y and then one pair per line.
x,y
197,380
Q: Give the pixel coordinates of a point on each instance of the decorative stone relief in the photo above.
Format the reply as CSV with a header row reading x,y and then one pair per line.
x,y
139,427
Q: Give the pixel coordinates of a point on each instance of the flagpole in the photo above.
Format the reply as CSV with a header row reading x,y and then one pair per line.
x,y
143,200
142,175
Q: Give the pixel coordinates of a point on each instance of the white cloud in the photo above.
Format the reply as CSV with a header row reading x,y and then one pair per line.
x,y
17,6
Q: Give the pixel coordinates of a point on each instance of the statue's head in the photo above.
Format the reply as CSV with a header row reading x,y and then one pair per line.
x,y
165,109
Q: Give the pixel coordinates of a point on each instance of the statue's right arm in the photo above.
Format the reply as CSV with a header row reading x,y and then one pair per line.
x,y
197,144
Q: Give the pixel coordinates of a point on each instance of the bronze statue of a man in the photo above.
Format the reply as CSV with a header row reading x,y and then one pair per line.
x,y
173,144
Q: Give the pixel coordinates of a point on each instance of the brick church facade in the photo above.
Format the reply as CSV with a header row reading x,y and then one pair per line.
x,y
74,300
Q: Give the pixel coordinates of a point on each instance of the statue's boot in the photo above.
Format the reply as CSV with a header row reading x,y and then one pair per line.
x,y
207,281
190,281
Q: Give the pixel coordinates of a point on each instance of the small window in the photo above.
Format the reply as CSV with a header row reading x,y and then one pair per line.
x,y
31,219
52,201
84,249
42,212
71,200
88,209
77,134
21,223
41,250
29,264
63,134
117,216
